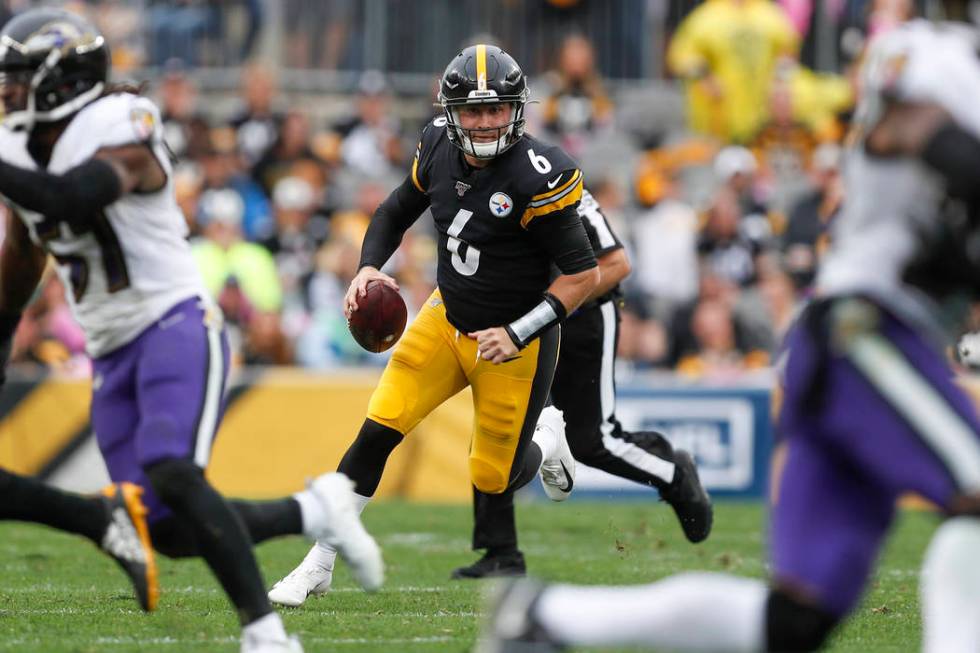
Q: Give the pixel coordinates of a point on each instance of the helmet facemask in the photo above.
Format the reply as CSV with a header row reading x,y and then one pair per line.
x,y
468,140
55,86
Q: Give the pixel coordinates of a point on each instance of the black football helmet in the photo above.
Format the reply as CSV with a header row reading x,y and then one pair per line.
x,y
52,63
483,74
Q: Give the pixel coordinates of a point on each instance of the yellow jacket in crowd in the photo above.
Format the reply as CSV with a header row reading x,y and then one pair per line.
x,y
728,50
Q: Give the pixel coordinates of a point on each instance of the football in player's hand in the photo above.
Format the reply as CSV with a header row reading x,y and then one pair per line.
x,y
379,320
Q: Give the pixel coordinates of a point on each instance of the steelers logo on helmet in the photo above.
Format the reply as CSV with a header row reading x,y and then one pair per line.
x,y
52,64
479,76
501,205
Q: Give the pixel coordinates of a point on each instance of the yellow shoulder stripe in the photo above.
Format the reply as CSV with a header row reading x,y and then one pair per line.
x,y
551,193
415,174
569,198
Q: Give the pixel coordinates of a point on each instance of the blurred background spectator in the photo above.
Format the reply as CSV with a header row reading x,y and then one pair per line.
x,y
317,33
177,29
578,107
185,127
727,51
807,232
369,140
257,120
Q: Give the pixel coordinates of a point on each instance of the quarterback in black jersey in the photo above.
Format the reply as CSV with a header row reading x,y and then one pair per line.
x,y
504,205
583,394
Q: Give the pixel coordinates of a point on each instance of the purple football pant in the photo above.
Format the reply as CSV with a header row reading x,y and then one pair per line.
x,y
160,397
870,412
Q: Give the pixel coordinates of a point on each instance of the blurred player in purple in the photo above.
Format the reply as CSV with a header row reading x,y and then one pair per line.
x,y
89,181
871,410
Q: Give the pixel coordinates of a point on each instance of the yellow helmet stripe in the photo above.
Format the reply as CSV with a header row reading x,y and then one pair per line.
x,y
481,67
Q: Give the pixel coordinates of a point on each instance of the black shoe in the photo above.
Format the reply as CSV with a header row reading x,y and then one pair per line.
x,y
511,626
689,499
493,565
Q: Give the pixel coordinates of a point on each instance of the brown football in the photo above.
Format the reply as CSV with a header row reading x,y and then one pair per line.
x,y
379,320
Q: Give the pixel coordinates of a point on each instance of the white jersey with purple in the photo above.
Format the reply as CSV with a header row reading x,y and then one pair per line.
x,y
133,263
891,214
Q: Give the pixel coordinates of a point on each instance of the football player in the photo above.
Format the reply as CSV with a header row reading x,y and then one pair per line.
x,y
504,205
584,398
85,171
871,410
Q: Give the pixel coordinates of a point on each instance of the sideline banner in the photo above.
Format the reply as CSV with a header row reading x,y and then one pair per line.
x,y
284,426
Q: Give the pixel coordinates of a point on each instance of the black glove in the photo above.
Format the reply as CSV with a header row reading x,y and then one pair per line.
x,y
8,326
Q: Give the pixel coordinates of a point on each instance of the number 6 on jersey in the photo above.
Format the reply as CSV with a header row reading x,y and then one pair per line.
x,y
468,263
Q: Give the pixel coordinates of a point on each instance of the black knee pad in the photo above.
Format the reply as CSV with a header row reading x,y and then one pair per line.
x,y
792,625
175,479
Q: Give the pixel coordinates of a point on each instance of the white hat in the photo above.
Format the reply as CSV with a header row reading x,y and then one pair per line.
x,y
222,205
733,160
293,194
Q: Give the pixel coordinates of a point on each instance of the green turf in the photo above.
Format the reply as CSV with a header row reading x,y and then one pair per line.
x,y
58,594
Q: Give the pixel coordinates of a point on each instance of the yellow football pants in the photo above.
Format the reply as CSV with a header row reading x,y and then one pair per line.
x,y
433,361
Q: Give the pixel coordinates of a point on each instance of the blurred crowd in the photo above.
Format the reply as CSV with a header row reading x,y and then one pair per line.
x,y
725,206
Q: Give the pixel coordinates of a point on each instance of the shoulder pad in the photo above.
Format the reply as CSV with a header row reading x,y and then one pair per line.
x,y
111,121
12,142
550,179
432,133
587,203
538,164
928,63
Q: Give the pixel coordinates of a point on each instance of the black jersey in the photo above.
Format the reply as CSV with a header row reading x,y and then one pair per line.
x,y
495,250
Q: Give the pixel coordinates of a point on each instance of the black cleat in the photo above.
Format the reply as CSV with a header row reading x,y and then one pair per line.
x,y
511,626
689,499
493,565
127,540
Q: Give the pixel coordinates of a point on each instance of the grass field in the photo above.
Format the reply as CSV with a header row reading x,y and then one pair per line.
x,y
57,594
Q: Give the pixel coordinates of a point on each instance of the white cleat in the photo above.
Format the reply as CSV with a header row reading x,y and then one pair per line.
x,y
558,472
309,579
251,644
344,531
